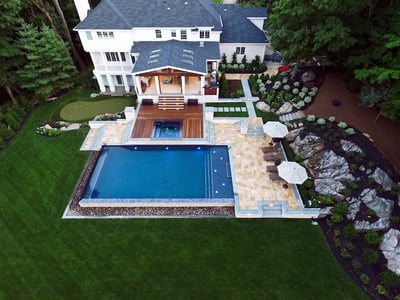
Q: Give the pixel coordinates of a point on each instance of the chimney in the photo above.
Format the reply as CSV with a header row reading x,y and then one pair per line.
x,y
82,6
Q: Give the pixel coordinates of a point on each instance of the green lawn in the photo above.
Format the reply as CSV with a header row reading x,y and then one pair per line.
x,y
45,257
78,106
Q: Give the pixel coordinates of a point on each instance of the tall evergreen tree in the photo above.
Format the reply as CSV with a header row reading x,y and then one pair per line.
x,y
10,56
49,65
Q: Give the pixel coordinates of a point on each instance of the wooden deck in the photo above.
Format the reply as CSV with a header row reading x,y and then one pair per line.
x,y
191,116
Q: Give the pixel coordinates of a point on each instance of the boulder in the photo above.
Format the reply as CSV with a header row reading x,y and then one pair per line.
x,y
350,146
390,247
364,226
353,208
307,147
324,212
285,109
308,76
261,105
291,136
381,206
329,186
383,179
327,164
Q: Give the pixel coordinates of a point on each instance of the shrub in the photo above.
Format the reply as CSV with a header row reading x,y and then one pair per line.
x,y
364,278
296,84
304,89
372,238
277,85
345,254
288,96
389,279
235,66
395,219
295,91
337,218
340,208
307,99
286,87
331,119
356,264
310,118
342,125
394,187
353,167
269,81
371,164
262,89
370,256
349,232
240,93
350,131
307,184
297,158
27,105
371,212
2,143
5,132
326,199
353,185
320,121
302,95
346,192
300,104
241,66
380,289
259,81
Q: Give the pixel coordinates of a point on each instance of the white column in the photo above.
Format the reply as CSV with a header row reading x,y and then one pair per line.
x,y
126,84
157,81
111,83
202,83
214,66
183,84
100,82
138,85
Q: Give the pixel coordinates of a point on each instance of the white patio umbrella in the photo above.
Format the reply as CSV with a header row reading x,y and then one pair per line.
x,y
275,129
292,172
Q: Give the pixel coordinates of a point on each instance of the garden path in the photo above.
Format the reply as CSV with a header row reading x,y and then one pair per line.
x,y
385,133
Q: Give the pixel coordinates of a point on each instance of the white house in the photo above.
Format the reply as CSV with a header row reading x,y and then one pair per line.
x,y
161,48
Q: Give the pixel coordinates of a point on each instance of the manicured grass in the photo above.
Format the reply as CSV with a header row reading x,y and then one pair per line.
x,y
45,257
266,116
228,114
78,106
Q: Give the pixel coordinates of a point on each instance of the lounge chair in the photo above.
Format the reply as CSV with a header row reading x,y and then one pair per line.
x,y
274,176
272,169
270,148
272,157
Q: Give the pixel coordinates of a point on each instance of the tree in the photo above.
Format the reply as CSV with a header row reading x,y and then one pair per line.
x,y
48,66
301,30
47,9
10,56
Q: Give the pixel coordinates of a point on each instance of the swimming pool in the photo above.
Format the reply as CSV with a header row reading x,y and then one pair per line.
x,y
168,175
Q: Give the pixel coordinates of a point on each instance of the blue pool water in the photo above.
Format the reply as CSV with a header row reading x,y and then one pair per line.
x,y
167,129
161,172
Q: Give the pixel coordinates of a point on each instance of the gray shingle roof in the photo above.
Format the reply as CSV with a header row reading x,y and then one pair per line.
x,y
176,54
237,28
127,14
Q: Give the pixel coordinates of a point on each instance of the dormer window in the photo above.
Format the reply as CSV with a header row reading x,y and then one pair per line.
x,y
204,34
158,33
183,35
105,34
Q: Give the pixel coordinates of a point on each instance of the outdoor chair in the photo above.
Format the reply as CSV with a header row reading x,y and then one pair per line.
x,y
272,169
272,157
270,148
274,176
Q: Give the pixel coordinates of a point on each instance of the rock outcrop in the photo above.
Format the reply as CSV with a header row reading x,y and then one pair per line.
x,y
390,247
381,206
382,178
308,146
364,226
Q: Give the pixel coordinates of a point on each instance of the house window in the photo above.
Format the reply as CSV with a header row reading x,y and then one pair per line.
x,y
105,35
112,56
183,35
173,33
158,33
240,50
122,55
204,34
133,59
89,35
119,79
